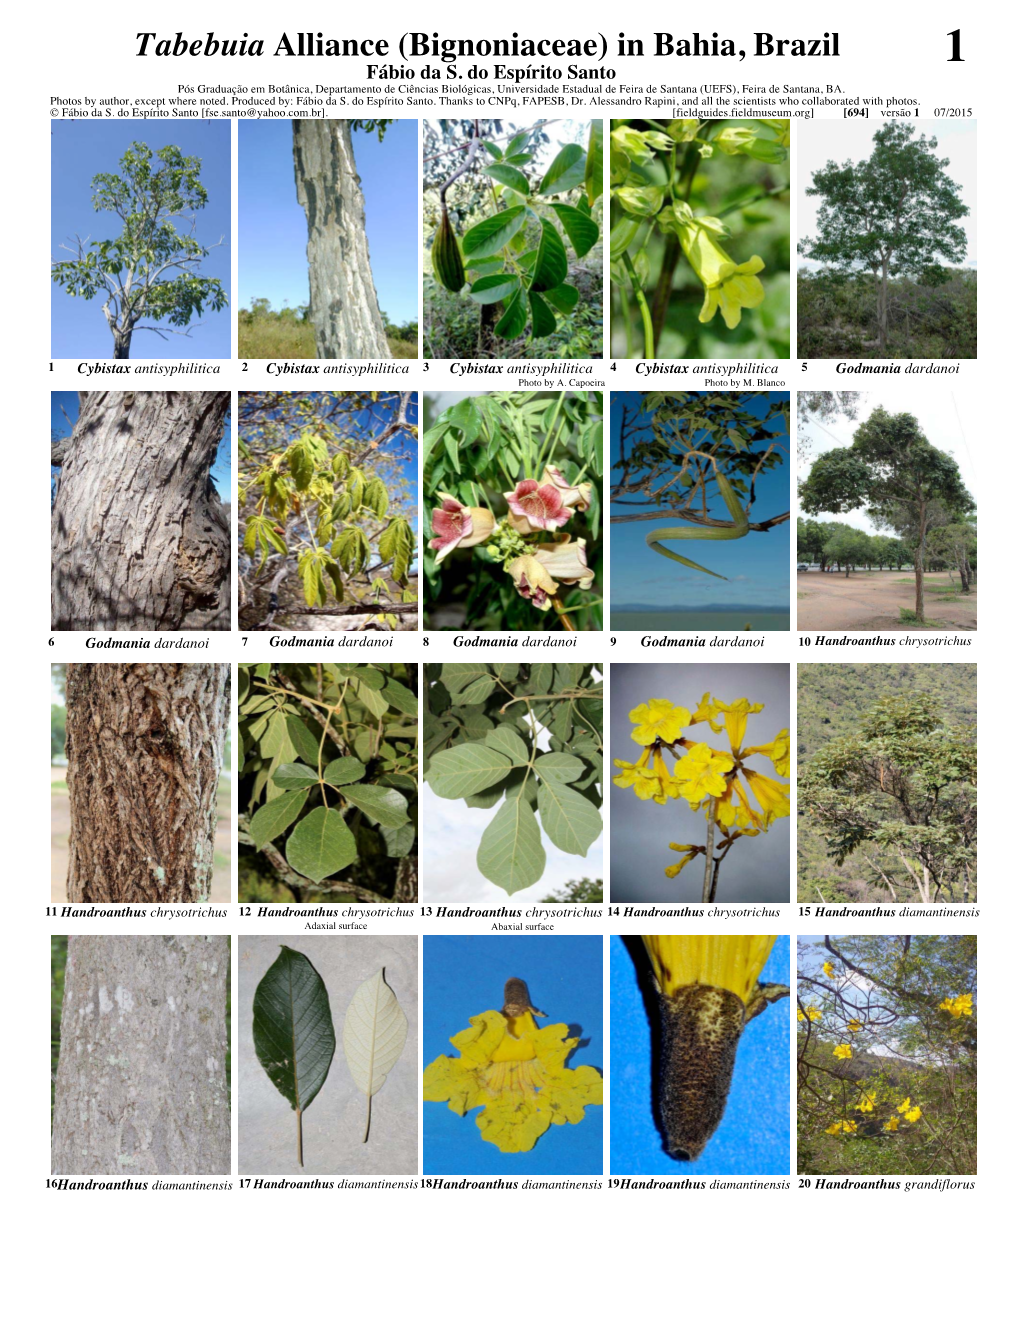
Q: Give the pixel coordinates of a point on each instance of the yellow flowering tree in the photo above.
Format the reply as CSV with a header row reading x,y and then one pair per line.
x,y
735,800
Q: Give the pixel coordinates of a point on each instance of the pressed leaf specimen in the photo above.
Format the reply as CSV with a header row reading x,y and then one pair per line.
x,y
375,1030
293,1031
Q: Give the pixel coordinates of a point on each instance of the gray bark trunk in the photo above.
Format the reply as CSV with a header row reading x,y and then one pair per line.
x,y
139,539
144,751
141,1084
344,308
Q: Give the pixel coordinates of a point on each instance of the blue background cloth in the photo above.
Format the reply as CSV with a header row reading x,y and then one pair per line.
x,y
464,976
754,1136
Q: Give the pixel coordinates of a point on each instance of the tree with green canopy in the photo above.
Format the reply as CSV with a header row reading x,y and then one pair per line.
x,y
904,780
893,214
150,269
897,475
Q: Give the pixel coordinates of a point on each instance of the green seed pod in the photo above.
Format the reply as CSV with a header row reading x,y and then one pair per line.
x,y
446,259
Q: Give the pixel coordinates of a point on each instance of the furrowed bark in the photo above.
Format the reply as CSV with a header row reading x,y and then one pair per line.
x,y
141,1085
344,308
139,539
144,751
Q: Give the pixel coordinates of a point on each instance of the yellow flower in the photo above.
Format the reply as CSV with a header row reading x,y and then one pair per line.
x,y
847,1125
729,287
843,1052
516,1071
828,969
853,1025
867,1102
646,781
730,962
912,1115
961,1006
733,807
701,771
777,751
735,714
893,1125
657,719
691,849
809,1014
773,797
706,713
666,786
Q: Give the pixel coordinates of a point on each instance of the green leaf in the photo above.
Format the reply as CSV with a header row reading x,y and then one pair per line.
x,y
511,853
292,1028
398,842
274,817
593,163
370,696
514,318
305,742
503,739
559,768
582,231
506,673
321,845
475,693
487,237
566,171
509,177
400,697
383,805
295,776
543,319
466,769
564,298
551,263
570,820
494,288
457,676
344,770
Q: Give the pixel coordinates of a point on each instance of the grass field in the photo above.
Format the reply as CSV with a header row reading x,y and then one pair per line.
x,y
276,336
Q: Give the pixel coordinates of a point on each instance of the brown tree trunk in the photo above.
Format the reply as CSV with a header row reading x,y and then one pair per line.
x,y
121,343
144,751
141,1085
139,539
883,307
922,531
344,308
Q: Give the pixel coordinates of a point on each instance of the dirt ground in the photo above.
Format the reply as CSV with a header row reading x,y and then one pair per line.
x,y
60,826
870,602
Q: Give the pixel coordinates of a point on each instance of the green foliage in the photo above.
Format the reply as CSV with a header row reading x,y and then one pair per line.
x,y
329,773
292,1028
905,1099
58,964
577,891
482,732
886,789
148,271
58,730
477,451
315,494
699,210
506,246
264,333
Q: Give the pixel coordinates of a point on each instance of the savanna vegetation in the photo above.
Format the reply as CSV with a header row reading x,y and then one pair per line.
x,y
263,332
326,503
887,1055
700,211
886,790
328,784
512,239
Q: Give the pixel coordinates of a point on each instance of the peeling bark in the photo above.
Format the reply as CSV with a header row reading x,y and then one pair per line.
x,y
344,308
141,1085
139,539
144,751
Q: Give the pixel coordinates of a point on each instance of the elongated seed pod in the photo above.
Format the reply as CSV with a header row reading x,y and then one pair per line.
x,y
446,259
708,992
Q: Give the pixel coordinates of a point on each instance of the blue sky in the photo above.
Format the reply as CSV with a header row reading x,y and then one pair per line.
x,y
273,232
79,150
757,565
66,402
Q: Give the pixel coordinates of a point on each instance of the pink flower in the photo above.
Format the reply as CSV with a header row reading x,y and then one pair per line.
x,y
457,524
536,508
532,581
574,497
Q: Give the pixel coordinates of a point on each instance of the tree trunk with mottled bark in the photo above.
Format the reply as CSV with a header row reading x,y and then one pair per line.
x,y
344,308
141,1084
139,539
144,752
